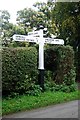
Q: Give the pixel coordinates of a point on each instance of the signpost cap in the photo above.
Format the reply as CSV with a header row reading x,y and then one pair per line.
x,y
41,27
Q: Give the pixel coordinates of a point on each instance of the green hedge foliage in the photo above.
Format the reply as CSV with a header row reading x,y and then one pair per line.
x,y
60,61
19,69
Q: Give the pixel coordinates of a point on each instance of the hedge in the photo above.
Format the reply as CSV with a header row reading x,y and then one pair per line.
x,y
60,61
19,69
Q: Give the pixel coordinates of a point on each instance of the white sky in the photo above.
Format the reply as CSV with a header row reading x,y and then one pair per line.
x,y
12,6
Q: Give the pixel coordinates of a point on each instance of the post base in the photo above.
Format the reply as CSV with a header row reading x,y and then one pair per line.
x,y
41,78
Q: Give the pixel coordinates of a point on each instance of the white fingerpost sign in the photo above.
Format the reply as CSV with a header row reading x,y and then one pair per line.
x,y
54,41
34,33
41,50
25,38
37,37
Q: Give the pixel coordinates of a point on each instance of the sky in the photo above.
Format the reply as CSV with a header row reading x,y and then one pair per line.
x,y
12,6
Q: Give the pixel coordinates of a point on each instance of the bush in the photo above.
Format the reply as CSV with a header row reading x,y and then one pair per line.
x,y
60,61
62,87
19,69
34,91
20,72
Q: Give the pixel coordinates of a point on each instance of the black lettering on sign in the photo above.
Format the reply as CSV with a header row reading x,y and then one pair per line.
x,y
20,38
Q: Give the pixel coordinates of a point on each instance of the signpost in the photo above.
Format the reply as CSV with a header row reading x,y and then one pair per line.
x,y
37,37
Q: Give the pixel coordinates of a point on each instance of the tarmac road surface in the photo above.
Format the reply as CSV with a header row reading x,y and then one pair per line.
x,y
64,110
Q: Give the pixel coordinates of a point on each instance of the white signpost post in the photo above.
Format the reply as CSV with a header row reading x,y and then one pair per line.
x,y
37,37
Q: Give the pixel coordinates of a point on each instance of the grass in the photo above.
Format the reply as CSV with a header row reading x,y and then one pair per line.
x,y
0,107
30,102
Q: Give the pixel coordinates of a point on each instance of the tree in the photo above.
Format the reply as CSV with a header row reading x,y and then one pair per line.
x,y
7,29
4,20
26,16
46,10
67,19
35,18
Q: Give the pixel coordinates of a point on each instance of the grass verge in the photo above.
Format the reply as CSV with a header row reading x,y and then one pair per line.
x,y
30,102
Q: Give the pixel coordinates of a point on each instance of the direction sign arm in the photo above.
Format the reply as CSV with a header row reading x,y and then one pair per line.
x,y
25,38
54,41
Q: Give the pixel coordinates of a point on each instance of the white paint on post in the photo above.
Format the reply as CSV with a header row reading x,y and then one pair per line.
x,y
41,50
41,56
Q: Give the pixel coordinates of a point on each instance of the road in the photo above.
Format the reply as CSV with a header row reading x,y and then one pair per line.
x,y
64,110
